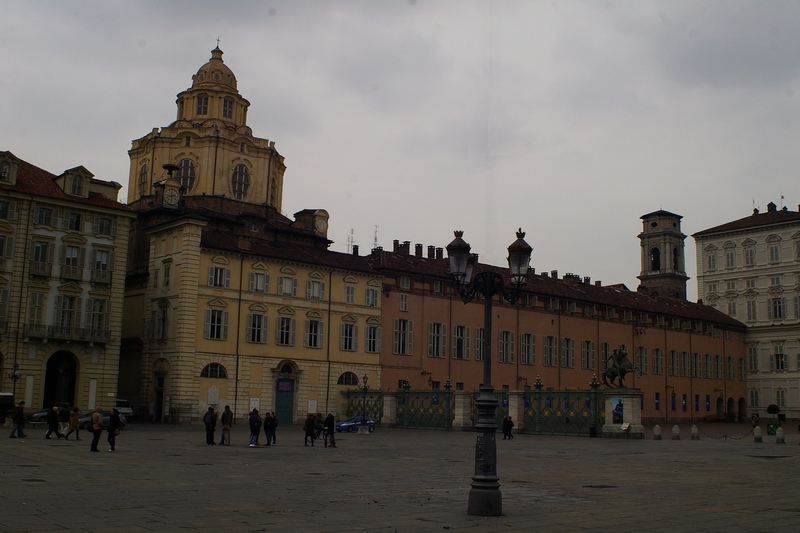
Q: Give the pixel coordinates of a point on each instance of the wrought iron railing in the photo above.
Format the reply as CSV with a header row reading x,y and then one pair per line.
x,y
564,412
373,407
43,331
101,276
71,272
429,409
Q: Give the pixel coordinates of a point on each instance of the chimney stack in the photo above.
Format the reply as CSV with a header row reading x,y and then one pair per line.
x,y
418,250
396,245
355,250
431,252
440,253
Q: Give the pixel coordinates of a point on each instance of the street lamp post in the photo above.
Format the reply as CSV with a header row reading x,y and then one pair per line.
x,y
363,429
14,375
485,498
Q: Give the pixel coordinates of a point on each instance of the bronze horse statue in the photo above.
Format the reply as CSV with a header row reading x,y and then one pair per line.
x,y
620,366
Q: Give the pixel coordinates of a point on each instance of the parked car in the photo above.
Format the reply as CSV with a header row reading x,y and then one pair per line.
x,y
85,422
125,409
352,424
38,416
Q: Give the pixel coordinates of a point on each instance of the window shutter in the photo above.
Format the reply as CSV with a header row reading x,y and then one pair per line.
x,y
81,257
281,281
769,308
306,333
224,324
455,343
111,257
250,328
12,211
96,225
211,276
266,282
36,214
771,362
430,340
355,337
511,347
396,339
378,339
292,327
321,291
341,336
308,289
264,331
294,287
443,347
227,278
3,304
500,354
410,338
466,343
77,313
796,306
8,252
93,264
252,282
321,335
207,332
32,250
55,218
62,254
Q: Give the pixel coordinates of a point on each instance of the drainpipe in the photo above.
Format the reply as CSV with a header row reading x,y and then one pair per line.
x,y
19,305
238,328
328,343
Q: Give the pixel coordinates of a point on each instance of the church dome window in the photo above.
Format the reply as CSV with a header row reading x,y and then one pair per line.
x,y
240,181
185,174
227,108
142,180
202,104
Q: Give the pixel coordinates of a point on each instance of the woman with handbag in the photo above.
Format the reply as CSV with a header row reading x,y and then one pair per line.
x,y
113,428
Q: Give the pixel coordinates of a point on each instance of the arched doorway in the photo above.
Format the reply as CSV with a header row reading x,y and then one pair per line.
x,y
742,410
286,374
720,407
59,380
731,410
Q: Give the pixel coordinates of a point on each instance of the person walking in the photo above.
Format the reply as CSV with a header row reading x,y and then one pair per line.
x,y
18,421
274,428
227,421
510,427
74,416
210,420
505,427
310,428
52,423
329,430
319,425
113,429
63,417
269,428
97,428
255,427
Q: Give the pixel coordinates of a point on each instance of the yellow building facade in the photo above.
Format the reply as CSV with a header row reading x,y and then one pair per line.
x,y
228,302
63,241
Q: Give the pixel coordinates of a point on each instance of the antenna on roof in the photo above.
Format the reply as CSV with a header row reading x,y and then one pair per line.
x,y
782,199
375,238
350,241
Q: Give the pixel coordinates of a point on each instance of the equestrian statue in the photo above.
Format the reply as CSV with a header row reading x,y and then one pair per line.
x,y
619,367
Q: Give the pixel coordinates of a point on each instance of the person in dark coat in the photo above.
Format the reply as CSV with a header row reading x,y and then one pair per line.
x,y
310,428
269,428
18,419
97,428
255,427
510,427
227,422
210,420
319,425
274,429
114,424
330,429
52,423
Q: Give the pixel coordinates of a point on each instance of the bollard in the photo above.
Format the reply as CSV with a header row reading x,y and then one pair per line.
x,y
780,436
695,432
757,434
656,432
676,432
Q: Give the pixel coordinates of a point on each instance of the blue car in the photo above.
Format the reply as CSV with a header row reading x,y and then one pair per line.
x,y
352,424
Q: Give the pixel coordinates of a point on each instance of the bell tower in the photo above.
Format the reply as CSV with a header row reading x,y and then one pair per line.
x,y
663,271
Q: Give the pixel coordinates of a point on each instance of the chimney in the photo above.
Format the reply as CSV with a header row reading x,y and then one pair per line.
x,y
440,253
355,250
407,247
587,280
598,283
554,274
244,242
396,245
431,252
418,250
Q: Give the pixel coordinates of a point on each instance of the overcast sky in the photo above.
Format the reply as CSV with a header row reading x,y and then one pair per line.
x,y
569,119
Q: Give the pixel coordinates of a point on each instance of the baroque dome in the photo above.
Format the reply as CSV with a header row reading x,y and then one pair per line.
x,y
214,72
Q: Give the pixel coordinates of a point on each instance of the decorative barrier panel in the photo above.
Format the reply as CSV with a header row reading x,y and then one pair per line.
x,y
425,409
564,412
356,405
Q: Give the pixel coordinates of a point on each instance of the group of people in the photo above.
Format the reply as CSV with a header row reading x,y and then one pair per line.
x,y
508,424
64,421
269,423
315,427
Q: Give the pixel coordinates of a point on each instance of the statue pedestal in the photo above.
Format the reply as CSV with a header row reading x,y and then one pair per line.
x,y
623,410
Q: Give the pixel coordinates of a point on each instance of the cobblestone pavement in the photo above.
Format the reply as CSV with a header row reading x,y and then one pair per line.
x,y
164,478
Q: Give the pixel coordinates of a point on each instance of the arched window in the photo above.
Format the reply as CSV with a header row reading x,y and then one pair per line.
x,y
202,104
240,182
214,370
348,378
675,260
655,259
5,171
142,180
227,108
185,173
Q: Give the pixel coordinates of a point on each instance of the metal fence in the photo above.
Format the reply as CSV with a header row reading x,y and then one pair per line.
x,y
564,412
425,409
373,407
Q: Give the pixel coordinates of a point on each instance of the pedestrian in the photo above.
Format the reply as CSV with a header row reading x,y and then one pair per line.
x,y
63,417
52,423
330,429
97,428
74,416
210,420
275,422
510,427
255,427
318,425
269,428
227,421
18,420
113,429
310,429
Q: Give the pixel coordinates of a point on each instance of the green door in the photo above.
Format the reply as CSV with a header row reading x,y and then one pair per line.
x,y
284,397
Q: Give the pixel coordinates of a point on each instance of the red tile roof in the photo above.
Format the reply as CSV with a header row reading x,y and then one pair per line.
x,y
756,220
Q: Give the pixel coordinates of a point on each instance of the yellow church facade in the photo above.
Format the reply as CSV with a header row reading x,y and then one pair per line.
x,y
229,302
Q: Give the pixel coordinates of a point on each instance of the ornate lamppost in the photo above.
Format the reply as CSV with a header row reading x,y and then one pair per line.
x,y
14,376
484,496
363,429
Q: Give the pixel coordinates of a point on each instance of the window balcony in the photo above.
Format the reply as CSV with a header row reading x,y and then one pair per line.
x,y
42,331
41,268
101,276
71,272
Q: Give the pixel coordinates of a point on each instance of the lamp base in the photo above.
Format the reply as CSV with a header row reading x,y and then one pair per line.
x,y
485,502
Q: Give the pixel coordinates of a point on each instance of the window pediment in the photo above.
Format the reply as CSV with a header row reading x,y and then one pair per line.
x,y
258,308
374,321
100,292
314,314
3,281
6,229
748,242
220,260
285,310
729,244
710,248
289,271
375,283
260,265
774,238
218,303
70,288
750,293
775,291
350,319
316,274
351,279
163,303
74,238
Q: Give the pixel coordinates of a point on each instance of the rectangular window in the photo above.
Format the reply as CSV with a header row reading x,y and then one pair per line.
x,y
505,347
550,347
256,328
673,363
104,226
437,287
749,256
697,365
219,277
349,294
780,398
166,275
227,108
216,324
777,308
285,331
775,281
287,286
97,315
259,282
683,403
372,340
312,334
371,297
752,313
696,402
641,359
202,104
479,347
780,358
752,358
753,398
73,222
460,342
712,287
711,261
527,352
404,302
730,259
348,337
750,284
707,365
685,372
732,308
405,282
437,339
43,216
774,254
658,361
730,368
155,277
742,369
403,337
567,353
657,401
587,355
717,367
796,300
315,290
708,402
